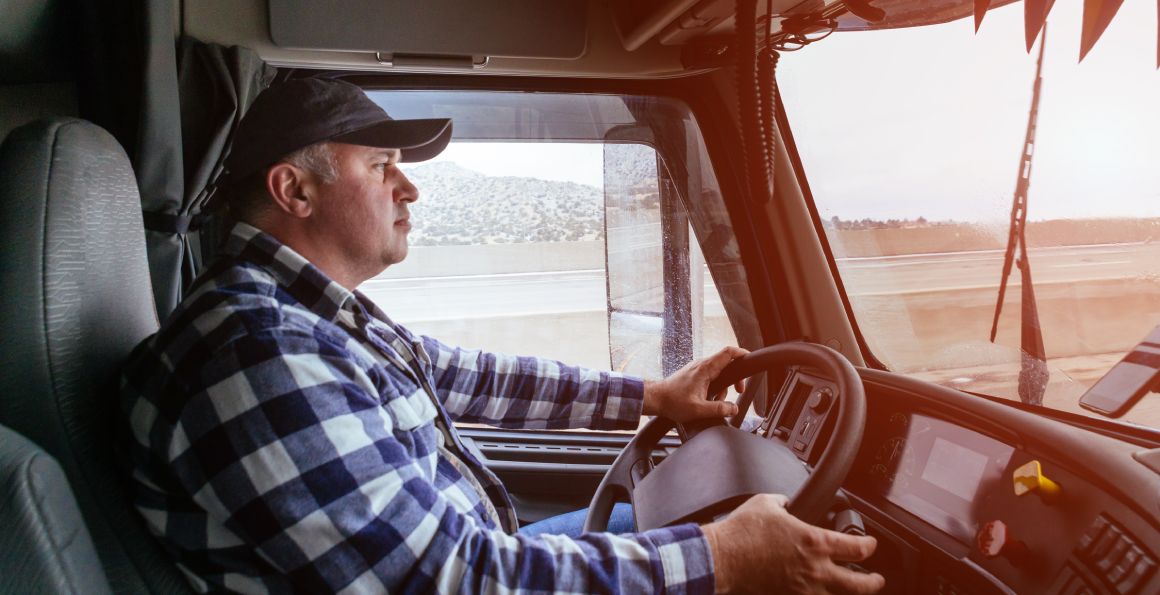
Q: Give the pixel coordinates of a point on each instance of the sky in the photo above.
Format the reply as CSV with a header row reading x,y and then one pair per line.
x,y
930,121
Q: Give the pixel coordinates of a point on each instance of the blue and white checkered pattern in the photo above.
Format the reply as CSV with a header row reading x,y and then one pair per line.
x,y
286,436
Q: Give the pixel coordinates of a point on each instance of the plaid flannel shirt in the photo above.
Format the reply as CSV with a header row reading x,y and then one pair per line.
x,y
284,435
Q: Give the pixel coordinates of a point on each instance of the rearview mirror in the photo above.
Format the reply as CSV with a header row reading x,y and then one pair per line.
x,y
656,284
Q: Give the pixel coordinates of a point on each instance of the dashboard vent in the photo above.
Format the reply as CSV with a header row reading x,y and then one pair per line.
x,y
1110,552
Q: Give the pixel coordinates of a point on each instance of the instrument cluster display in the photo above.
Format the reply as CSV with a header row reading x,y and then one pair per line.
x,y
940,472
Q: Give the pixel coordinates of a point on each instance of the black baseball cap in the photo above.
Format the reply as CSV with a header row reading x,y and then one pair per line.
x,y
298,113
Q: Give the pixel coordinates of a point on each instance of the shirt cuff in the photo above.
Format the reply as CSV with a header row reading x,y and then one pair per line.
x,y
685,560
623,403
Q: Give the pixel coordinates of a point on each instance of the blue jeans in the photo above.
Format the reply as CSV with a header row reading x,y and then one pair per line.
x,y
572,523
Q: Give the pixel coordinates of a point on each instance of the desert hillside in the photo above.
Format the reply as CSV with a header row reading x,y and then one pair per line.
x,y
891,238
459,206
462,207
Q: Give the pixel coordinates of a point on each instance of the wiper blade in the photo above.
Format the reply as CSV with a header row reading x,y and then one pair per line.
x,y
1033,373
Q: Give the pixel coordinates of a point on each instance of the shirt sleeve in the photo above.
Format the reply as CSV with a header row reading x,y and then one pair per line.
x,y
531,393
302,457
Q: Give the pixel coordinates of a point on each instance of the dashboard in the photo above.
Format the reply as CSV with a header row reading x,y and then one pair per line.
x,y
970,496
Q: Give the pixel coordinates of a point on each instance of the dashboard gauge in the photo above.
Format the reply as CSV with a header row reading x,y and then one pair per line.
x,y
878,470
899,421
909,462
890,450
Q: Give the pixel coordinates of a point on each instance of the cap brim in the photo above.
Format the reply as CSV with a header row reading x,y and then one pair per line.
x,y
419,140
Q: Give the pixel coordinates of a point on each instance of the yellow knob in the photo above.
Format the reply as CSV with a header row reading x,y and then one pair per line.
x,y
1029,478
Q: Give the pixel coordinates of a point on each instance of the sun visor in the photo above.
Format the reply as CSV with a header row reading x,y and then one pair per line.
x,y
427,30
509,116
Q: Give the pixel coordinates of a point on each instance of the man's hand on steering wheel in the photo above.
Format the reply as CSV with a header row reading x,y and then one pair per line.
x,y
682,396
761,548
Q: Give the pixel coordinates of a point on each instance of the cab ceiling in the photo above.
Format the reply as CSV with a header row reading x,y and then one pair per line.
x,y
308,34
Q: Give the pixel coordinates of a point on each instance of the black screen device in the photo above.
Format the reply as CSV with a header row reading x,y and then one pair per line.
x,y
1128,381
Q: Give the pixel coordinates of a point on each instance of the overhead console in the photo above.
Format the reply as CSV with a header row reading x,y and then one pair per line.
x,y
569,38
434,31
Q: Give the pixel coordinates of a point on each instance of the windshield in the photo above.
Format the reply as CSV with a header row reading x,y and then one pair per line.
x,y
913,140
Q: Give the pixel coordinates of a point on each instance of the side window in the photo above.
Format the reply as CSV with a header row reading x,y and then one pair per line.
x,y
580,252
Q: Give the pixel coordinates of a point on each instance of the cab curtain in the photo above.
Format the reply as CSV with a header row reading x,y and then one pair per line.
x,y
173,105
217,84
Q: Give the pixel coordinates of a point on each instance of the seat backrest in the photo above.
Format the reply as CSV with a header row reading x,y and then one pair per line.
x,y
46,548
76,299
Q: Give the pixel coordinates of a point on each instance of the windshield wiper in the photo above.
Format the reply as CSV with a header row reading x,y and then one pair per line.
x,y
1033,373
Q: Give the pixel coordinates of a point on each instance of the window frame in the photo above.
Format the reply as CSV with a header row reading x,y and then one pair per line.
x,y
790,145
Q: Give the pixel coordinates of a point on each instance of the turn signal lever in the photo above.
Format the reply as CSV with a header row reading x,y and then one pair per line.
x,y
843,518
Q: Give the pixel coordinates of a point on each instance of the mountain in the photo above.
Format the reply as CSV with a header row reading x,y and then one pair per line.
x,y
459,206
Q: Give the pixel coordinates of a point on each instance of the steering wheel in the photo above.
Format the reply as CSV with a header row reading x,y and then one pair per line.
x,y
721,466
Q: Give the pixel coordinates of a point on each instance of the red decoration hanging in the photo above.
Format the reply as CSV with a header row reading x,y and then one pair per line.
x,y
1097,14
981,7
1034,15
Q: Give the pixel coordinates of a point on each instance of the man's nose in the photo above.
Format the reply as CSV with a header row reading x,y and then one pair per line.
x,y
405,191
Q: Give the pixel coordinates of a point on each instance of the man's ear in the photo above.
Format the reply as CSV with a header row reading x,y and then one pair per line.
x,y
289,186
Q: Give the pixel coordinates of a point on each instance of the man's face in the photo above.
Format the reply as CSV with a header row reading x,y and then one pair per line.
x,y
363,214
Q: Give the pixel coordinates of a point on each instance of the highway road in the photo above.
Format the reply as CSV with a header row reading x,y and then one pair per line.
x,y
474,296
479,296
969,270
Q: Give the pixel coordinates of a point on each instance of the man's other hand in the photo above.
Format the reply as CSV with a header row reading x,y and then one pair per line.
x,y
761,548
682,396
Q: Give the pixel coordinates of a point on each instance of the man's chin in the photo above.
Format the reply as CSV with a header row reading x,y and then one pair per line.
x,y
396,256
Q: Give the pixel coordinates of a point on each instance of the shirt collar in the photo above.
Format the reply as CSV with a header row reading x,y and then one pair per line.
x,y
301,279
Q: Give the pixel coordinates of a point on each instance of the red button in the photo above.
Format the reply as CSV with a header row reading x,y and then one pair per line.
x,y
994,539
